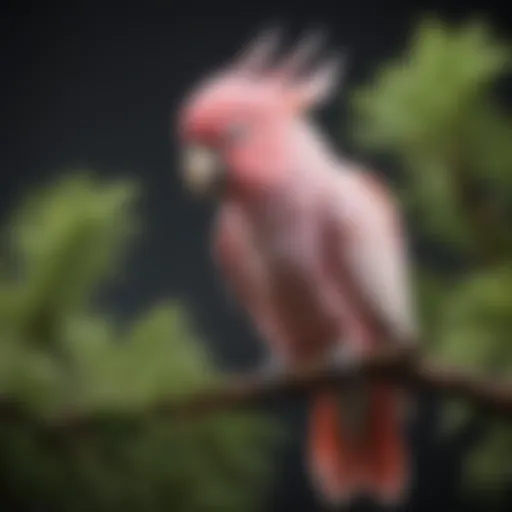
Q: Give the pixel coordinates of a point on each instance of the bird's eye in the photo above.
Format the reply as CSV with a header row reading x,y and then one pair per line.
x,y
236,133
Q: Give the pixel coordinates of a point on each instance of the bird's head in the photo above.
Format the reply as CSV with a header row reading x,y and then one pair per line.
x,y
234,127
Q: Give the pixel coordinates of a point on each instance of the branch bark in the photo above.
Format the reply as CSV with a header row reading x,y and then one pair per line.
x,y
395,366
398,367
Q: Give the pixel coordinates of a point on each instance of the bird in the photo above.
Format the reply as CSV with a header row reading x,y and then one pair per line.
x,y
313,247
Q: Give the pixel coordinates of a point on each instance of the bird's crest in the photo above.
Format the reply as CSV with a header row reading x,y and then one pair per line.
x,y
308,83
259,81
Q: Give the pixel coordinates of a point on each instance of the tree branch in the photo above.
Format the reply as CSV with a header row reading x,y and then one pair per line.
x,y
394,366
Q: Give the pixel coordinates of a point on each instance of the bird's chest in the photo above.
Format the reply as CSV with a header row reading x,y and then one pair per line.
x,y
289,244
290,248
285,235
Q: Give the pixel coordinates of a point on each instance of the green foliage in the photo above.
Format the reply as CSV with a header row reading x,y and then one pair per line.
x,y
476,321
58,354
474,332
419,103
488,466
433,109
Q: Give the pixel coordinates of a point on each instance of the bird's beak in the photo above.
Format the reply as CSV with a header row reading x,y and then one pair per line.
x,y
202,171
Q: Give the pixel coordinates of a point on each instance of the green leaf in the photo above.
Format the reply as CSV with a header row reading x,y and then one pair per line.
x,y
58,354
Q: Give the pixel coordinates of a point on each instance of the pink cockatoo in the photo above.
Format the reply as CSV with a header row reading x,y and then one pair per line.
x,y
313,248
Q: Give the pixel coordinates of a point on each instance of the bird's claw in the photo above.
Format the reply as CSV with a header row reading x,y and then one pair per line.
x,y
346,357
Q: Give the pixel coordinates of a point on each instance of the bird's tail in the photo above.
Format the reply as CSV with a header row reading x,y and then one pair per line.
x,y
357,445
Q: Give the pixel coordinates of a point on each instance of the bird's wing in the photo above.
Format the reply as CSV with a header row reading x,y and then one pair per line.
x,y
244,274
372,248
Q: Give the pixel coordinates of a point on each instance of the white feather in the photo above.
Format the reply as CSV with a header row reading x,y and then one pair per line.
x,y
377,258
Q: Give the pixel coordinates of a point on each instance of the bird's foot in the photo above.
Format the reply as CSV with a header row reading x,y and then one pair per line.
x,y
346,357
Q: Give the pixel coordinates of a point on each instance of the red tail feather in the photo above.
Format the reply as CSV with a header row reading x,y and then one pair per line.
x,y
373,463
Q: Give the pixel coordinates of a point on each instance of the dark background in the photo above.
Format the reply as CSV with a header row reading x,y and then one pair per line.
x,y
94,86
